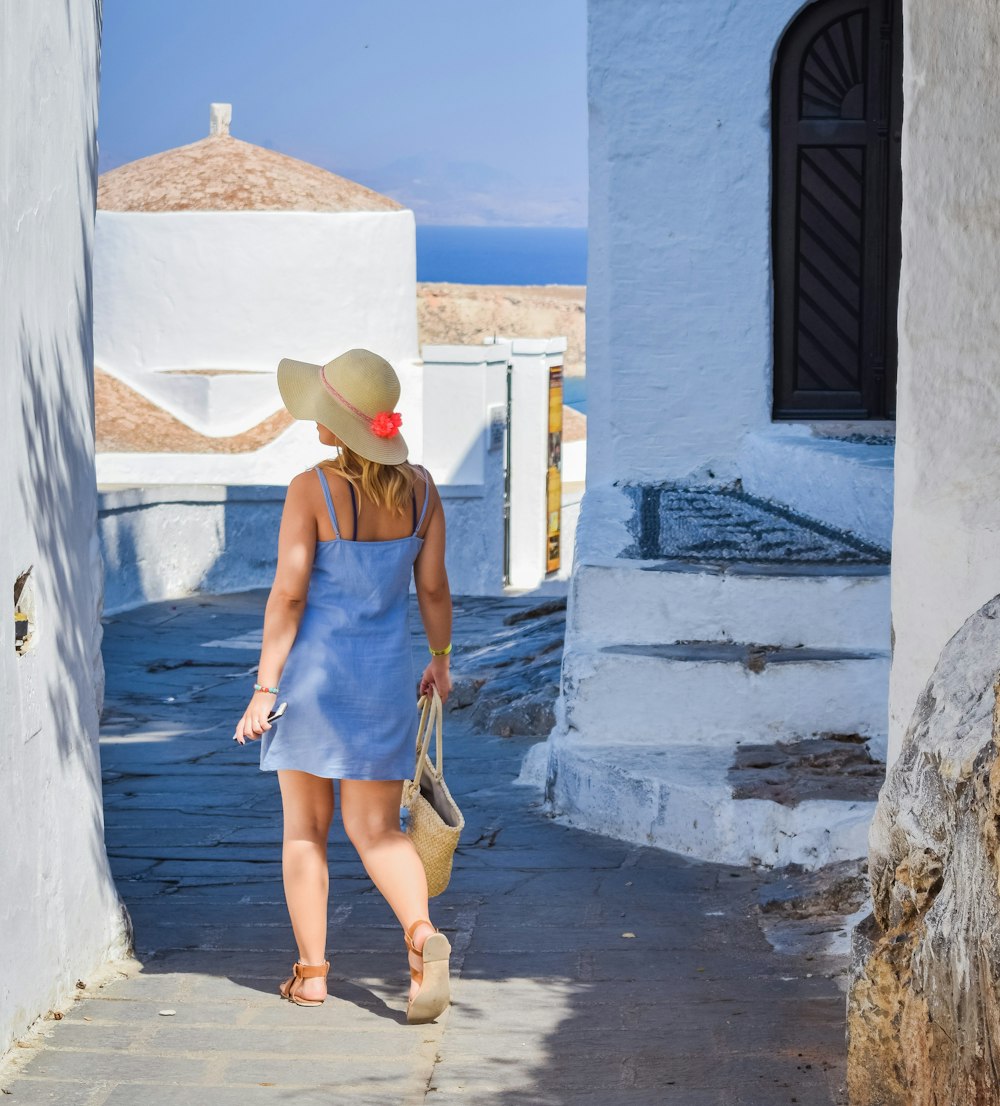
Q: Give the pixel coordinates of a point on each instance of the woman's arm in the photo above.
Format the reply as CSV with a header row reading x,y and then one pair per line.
x,y
285,604
434,598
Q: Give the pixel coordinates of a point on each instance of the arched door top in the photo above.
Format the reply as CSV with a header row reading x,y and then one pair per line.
x,y
836,203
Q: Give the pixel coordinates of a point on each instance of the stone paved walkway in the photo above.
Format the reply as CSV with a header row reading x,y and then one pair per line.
x,y
586,972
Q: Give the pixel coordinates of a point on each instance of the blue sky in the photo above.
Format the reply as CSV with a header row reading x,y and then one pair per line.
x,y
469,112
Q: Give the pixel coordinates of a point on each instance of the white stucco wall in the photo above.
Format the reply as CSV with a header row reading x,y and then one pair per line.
x,y
464,410
465,393
59,913
946,536
679,347
241,290
166,541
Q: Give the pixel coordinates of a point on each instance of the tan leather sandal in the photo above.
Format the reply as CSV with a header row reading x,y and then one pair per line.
x,y
290,988
434,995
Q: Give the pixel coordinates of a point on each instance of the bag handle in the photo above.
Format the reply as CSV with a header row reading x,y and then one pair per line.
x,y
431,713
411,787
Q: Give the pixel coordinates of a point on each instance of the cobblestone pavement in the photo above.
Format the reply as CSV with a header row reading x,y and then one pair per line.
x,y
586,972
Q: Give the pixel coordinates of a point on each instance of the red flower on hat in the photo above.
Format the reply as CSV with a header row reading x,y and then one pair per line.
x,y
386,424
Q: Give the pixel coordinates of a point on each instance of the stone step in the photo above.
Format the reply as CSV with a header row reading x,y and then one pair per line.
x,y
828,605
720,693
841,479
682,798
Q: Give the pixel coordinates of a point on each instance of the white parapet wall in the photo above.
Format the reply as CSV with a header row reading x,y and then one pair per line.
x,y
167,541
60,918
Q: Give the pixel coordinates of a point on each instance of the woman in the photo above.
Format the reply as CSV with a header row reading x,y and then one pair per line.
x,y
337,641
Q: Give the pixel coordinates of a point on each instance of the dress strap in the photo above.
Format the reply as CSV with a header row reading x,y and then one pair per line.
x,y
326,496
354,510
427,496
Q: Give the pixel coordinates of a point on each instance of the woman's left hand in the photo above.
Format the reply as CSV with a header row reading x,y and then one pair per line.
x,y
437,675
254,721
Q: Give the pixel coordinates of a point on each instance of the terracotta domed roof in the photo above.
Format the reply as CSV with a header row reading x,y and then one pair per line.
x,y
222,173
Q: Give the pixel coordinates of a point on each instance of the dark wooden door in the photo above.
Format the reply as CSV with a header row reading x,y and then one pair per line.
x,y
836,196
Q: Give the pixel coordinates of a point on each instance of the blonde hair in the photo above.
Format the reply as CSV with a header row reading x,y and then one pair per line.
x,y
385,485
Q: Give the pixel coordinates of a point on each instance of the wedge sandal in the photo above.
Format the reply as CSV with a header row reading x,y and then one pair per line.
x,y
434,995
290,988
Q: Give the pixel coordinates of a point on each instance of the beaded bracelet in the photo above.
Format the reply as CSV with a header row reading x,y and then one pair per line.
x,y
440,652
269,690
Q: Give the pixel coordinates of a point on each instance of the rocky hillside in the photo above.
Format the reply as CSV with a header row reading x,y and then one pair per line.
x,y
460,314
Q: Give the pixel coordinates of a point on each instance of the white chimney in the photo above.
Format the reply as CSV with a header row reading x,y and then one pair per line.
x,y
219,118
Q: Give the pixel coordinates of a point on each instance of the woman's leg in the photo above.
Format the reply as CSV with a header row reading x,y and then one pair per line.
x,y
307,802
370,809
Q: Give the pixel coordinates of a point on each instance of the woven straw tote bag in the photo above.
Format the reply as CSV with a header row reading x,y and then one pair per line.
x,y
433,821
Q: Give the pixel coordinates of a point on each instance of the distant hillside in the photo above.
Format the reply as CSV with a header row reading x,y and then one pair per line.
x,y
474,193
465,314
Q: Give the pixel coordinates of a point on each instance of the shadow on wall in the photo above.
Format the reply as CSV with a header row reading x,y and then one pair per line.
x,y
56,485
52,783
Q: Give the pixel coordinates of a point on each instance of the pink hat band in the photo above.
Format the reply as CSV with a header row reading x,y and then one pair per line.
x,y
383,424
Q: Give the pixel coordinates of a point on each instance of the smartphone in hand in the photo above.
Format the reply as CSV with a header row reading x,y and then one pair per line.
x,y
272,717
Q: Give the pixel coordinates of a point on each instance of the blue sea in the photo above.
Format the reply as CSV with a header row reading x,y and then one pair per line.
x,y
502,255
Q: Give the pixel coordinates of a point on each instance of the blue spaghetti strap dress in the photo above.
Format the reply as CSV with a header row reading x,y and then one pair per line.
x,y
349,680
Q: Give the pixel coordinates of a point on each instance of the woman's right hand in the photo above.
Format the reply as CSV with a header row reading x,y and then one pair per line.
x,y
437,674
254,723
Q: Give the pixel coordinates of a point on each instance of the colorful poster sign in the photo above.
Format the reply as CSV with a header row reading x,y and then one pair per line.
x,y
553,481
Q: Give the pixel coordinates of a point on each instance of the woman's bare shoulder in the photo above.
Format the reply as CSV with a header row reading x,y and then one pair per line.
x,y
423,474
324,470
298,482
306,487
425,482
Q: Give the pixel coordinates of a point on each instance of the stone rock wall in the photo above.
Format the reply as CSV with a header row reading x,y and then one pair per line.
x,y
924,1005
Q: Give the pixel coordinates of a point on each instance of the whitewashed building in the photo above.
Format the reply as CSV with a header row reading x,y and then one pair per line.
x,y
729,610
212,262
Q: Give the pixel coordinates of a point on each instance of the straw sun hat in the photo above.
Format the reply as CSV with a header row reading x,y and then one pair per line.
x,y
354,396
